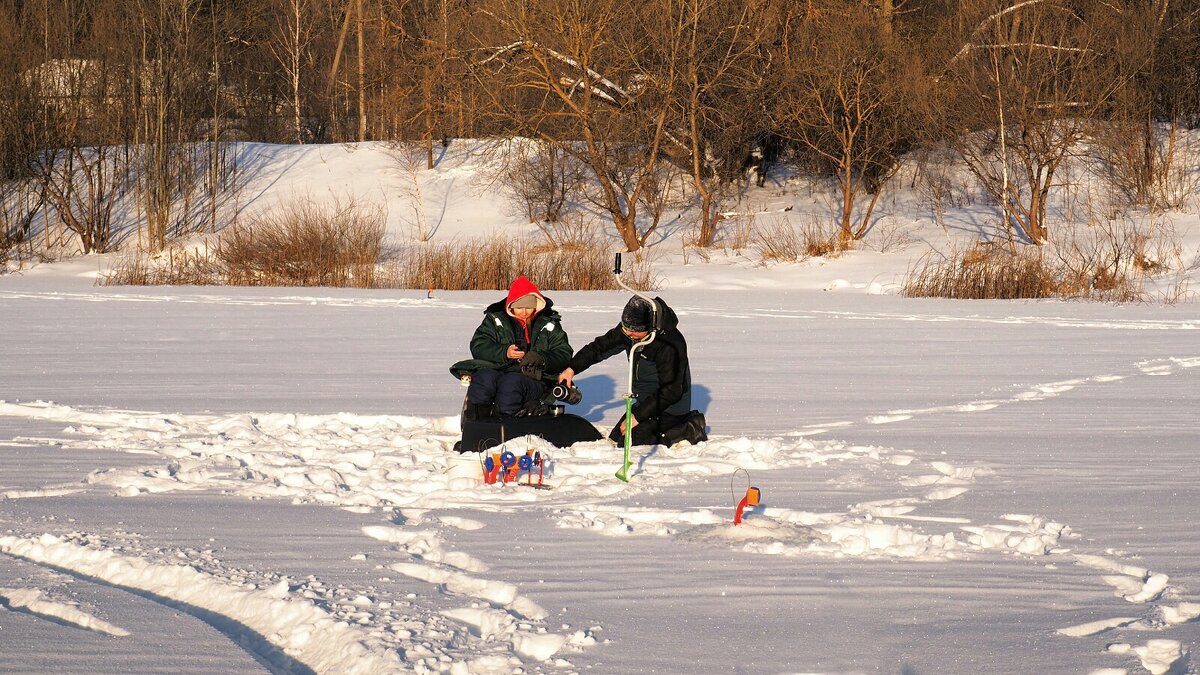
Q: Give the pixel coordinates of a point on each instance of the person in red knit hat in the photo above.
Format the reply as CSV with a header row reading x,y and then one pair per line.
x,y
517,353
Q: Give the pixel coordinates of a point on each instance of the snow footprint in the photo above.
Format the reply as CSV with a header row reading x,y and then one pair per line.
x,y
496,593
1160,367
1044,391
424,545
1135,584
1159,657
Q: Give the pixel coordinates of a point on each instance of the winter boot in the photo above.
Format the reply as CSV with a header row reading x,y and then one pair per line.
x,y
690,430
479,411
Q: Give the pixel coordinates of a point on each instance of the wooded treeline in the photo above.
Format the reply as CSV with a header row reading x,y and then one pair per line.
x,y
618,92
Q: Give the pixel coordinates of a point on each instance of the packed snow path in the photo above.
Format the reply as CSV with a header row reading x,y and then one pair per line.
x,y
433,586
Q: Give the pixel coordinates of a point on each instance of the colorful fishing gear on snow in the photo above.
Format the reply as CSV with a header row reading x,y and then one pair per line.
x,y
506,467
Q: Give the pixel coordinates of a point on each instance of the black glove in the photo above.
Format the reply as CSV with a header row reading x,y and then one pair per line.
x,y
534,408
533,365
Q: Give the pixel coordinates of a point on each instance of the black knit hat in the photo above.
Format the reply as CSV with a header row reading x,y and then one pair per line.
x,y
637,316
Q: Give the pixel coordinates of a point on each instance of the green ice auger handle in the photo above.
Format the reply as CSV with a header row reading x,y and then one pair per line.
x,y
617,264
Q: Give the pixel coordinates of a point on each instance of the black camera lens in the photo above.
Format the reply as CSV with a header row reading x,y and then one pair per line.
x,y
570,394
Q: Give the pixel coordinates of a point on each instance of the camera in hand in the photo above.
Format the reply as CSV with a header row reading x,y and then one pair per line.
x,y
569,394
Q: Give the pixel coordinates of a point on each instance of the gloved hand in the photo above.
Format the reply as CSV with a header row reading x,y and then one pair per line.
x,y
533,365
534,408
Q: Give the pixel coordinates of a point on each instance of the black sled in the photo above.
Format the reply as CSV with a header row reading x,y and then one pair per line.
x,y
482,430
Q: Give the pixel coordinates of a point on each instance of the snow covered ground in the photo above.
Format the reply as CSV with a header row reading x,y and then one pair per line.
x,y
201,480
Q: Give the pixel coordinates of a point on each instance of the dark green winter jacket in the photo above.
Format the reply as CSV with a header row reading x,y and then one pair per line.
x,y
489,344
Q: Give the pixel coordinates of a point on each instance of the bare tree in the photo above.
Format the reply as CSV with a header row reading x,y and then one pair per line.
x,y
719,106
435,30
1027,86
351,12
846,98
577,59
167,81
1137,137
291,44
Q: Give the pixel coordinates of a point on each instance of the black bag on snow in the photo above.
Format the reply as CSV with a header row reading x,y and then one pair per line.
x,y
560,430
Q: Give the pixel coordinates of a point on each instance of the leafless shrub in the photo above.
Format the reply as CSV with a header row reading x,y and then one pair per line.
x,y
8,242
483,264
410,161
778,241
19,207
984,271
932,181
81,185
1103,259
1117,258
576,232
171,267
1177,288
539,179
739,231
688,246
1110,261
888,234
305,244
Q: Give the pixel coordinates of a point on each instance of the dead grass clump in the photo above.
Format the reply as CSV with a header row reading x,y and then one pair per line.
x,y
490,264
173,267
739,231
777,241
819,242
982,272
994,272
305,245
302,244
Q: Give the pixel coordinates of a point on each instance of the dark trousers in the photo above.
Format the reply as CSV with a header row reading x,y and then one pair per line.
x,y
509,391
647,432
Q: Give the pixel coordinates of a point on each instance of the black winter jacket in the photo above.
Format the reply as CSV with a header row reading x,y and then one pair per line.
x,y
662,377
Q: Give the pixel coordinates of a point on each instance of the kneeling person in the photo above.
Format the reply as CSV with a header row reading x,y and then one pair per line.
x,y
662,378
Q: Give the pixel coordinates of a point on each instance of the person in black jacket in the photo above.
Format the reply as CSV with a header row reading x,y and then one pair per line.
x,y
662,378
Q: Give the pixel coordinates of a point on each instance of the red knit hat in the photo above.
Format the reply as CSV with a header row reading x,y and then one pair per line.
x,y
523,291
